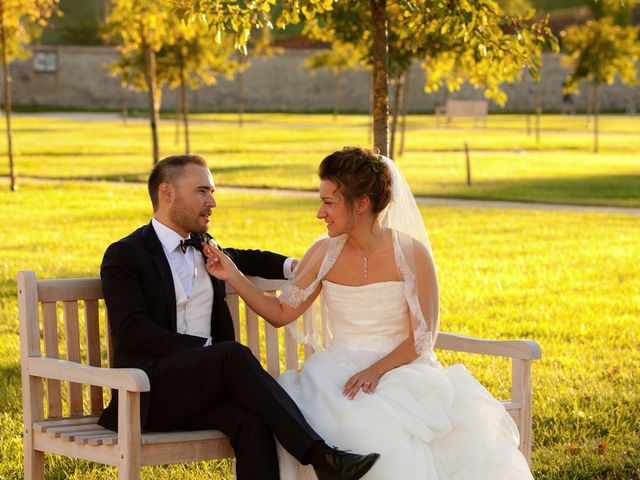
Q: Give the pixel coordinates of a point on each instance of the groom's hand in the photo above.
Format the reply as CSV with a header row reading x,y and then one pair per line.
x,y
365,380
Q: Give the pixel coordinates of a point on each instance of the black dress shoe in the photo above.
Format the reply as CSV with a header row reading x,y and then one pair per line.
x,y
339,465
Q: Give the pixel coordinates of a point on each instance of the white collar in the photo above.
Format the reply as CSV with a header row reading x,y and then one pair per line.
x,y
169,238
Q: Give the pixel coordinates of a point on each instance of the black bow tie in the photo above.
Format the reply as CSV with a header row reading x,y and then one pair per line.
x,y
194,241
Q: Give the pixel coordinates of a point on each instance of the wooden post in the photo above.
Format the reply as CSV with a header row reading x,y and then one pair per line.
x,y
468,160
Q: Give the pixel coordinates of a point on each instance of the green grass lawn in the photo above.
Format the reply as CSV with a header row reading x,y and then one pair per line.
x,y
283,150
568,280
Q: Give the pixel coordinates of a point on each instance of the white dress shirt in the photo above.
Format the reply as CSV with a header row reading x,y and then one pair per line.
x,y
186,267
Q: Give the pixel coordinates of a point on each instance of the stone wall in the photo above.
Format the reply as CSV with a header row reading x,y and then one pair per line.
x,y
280,83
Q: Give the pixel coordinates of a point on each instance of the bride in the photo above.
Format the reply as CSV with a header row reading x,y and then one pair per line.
x,y
374,383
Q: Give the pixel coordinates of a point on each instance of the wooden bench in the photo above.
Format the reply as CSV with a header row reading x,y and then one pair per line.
x,y
70,313
475,109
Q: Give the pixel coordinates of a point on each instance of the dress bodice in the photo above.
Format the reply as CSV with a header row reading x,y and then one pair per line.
x,y
372,317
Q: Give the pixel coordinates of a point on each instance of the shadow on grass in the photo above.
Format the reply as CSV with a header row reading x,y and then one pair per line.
x,y
618,190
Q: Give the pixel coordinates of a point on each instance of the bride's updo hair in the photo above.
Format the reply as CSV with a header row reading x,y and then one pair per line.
x,y
358,172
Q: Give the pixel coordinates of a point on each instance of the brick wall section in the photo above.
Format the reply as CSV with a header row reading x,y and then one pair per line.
x,y
278,83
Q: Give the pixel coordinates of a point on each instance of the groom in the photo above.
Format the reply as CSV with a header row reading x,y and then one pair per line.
x,y
170,318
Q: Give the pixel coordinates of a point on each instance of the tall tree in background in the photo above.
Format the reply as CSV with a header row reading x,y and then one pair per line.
x,y
192,59
475,40
140,29
600,51
19,22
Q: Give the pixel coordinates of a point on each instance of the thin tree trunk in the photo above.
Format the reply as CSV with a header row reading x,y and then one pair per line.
x,y
185,112
125,105
405,108
241,60
589,103
397,99
153,101
370,122
336,107
6,77
596,117
380,77
538,110
176,120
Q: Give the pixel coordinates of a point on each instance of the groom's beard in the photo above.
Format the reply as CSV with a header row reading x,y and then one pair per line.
x,y
189,220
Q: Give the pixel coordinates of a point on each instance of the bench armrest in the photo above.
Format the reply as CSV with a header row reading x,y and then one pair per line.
x,y
130,379
520,349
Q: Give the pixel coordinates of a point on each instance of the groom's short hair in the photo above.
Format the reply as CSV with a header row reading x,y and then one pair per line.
x,y
168,170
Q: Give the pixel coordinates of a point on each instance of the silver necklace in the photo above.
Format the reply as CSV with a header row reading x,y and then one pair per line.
x,y
365,259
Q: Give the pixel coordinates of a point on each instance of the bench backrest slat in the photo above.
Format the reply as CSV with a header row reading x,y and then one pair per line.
x,y
72,334
252,330
94,358
50,333
272,349
290,351
234,308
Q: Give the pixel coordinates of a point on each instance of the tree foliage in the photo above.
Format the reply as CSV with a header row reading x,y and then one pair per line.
x,y
600,51
22,21
243,17
475,40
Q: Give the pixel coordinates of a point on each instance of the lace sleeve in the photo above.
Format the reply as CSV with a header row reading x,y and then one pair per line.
x,y
312,269
321,257
421,294
292,295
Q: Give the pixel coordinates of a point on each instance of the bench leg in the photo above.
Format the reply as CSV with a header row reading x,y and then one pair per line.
x,y
129,435
33,465
521,392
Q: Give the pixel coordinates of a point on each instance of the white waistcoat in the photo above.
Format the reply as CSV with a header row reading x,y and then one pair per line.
x,y
193,314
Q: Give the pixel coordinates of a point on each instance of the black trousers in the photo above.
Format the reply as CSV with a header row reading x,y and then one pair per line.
x,y
224,387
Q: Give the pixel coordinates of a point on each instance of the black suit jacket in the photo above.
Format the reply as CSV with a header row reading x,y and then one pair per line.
x,y
140,297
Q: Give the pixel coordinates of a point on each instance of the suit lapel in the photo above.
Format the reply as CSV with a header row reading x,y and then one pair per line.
x,y
164,272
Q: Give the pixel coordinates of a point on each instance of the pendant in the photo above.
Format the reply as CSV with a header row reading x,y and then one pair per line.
x,y
366,269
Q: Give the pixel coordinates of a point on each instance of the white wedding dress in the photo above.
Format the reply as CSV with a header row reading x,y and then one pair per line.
x,y
426,421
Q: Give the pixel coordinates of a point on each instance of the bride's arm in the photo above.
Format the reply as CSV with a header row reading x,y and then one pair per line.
x,y
264,304
367,379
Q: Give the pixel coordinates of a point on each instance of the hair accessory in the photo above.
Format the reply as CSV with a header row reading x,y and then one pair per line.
x,y
375,162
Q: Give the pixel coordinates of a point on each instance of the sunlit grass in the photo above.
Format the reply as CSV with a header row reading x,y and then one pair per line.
x,y
568,280
283,150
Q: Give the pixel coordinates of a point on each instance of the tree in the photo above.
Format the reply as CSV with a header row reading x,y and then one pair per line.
x,y
159,49
473,40
192,59
139,27
599,52
19,22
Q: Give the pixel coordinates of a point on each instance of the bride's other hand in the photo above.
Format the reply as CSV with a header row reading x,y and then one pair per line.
x,y
365,380
219,265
